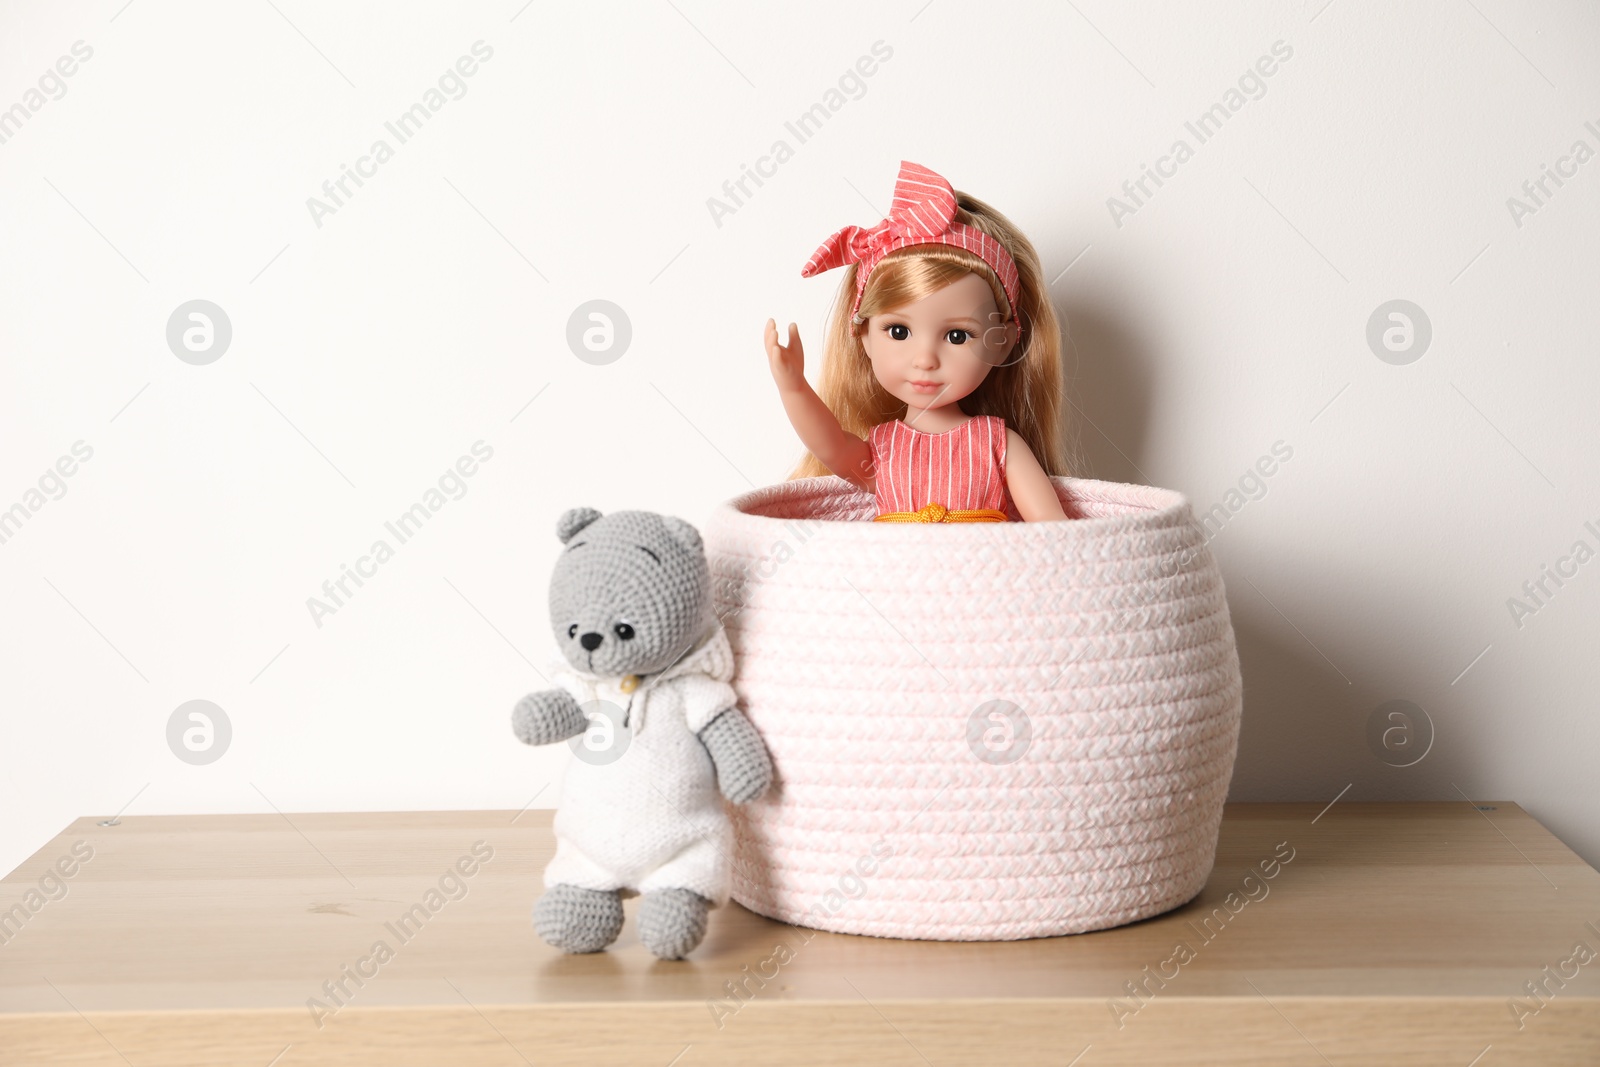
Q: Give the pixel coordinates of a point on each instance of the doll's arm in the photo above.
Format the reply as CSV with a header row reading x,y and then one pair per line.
x,y
840,451
1030,486
547,717
744,770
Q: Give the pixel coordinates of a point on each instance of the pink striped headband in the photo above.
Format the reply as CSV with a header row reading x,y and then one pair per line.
x,y
923,213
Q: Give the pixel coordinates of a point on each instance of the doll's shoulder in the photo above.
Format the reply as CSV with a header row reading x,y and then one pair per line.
x,y
1013,443
1000,437
882,433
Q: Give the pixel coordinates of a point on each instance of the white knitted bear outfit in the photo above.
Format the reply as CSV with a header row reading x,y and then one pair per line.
x,y
652,819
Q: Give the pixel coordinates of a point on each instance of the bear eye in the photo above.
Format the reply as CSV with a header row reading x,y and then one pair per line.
x,y
623,630
572,631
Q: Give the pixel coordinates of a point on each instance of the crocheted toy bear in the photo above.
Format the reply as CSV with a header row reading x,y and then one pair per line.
x,y
643,678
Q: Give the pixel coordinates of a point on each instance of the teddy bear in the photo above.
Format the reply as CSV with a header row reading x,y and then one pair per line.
x,y
643,679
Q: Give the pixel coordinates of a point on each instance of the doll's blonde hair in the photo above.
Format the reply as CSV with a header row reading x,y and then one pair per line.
x,y
1026,392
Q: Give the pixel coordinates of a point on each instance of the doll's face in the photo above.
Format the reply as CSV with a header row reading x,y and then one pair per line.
x,y
939,349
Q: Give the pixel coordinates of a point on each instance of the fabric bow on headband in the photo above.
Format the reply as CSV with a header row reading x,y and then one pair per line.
x,y
923,213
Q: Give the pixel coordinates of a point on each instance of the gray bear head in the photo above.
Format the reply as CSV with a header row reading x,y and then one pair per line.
x,y
631,590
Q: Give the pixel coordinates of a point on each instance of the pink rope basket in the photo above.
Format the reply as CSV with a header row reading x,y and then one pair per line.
x,y
980,731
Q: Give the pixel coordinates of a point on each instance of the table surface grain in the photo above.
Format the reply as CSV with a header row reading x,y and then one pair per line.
x,y
1432,933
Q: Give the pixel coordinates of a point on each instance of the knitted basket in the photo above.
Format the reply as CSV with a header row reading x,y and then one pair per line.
x,y
980,731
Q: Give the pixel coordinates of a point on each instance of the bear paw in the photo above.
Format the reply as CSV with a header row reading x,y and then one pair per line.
x,y
547,717
672,922
744,768
575,919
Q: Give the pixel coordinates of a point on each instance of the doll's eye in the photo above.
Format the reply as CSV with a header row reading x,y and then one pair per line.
x,y
623,630
958,337
899,331
572,631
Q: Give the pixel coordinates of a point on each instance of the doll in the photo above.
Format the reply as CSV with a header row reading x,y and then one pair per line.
x,y
941,378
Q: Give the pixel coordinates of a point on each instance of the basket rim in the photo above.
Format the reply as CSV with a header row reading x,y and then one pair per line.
x,y
1150,507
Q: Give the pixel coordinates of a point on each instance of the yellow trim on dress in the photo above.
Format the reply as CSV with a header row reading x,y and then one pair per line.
x,y
939,513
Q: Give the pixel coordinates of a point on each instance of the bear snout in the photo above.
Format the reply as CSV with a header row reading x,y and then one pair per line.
x,y
591,641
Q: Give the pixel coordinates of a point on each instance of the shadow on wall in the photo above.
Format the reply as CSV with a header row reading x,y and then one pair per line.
x,y
1307,734
1306,731
1108,374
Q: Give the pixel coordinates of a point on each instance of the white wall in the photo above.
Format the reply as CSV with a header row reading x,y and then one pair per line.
x,y
1226,313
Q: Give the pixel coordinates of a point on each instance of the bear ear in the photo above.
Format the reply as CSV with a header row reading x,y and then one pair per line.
x,y
683,533
572,520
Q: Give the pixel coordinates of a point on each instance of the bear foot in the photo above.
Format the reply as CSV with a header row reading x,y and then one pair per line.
x,y
672,922
575,919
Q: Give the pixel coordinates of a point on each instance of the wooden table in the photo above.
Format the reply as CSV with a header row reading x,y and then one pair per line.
x,y
1396,933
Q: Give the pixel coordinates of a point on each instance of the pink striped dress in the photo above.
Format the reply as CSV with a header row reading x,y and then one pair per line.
x,y
961,468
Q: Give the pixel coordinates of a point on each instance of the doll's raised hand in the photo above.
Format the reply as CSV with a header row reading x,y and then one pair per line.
x,y
788,361
840,451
